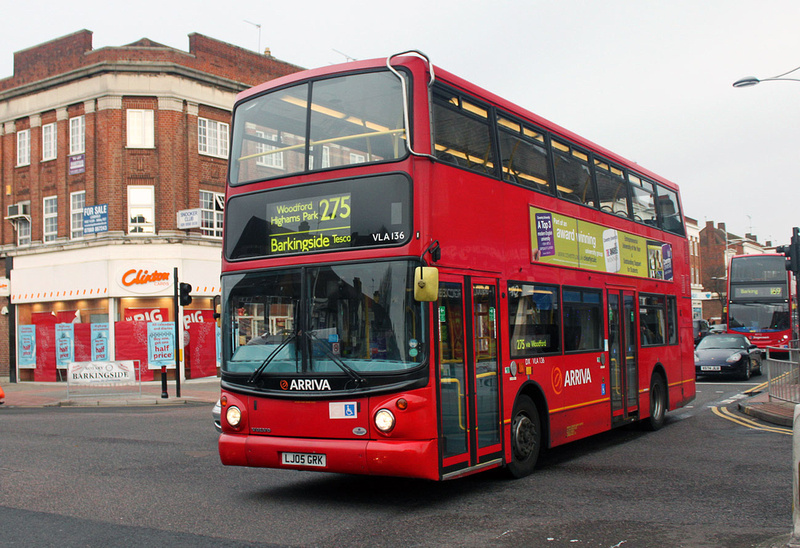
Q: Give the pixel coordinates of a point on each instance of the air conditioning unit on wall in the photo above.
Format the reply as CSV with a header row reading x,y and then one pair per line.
x,y
20,209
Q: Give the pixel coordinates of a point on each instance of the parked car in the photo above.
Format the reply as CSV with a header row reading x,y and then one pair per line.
x,y
701,329
216,412
726,354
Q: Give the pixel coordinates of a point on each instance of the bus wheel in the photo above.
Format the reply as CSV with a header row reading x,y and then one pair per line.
x,y
526,438
658,403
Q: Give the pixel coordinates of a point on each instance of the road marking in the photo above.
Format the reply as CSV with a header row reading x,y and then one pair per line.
x,y
727,415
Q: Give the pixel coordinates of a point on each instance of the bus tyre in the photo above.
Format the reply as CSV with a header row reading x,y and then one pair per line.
x,y
526,438
658,403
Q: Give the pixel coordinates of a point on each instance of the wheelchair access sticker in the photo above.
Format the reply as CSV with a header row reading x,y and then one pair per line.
x,y
343,410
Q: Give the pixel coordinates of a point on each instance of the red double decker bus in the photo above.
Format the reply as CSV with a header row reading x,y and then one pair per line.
x,y
422,279
760,300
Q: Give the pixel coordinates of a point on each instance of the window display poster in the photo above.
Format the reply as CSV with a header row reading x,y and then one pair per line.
x,y
65,344
160,345
27,347
99,342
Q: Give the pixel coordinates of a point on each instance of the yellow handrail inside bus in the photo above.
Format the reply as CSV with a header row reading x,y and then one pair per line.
x,y
323,142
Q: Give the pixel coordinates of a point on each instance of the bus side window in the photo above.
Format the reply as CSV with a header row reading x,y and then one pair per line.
x,y
669,211
612,188
643,200
461,132
524,155
573,175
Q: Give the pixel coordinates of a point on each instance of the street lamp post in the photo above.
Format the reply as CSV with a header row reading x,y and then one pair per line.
x,y
749,81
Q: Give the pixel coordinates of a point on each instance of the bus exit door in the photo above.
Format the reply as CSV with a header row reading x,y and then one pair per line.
x,y
623,370
469,410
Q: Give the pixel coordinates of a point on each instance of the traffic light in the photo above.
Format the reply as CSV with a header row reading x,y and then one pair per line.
x,y
792,252
184,291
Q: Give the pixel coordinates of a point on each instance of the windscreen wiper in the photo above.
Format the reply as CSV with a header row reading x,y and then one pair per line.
x,y
358,379
260,369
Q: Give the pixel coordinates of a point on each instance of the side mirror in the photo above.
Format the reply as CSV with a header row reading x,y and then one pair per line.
x,y
426,284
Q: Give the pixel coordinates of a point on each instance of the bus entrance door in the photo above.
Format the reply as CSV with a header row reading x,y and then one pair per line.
x,y
469,417
623,371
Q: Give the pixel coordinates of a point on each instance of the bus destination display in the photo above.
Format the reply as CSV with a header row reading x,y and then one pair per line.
x,y
310,224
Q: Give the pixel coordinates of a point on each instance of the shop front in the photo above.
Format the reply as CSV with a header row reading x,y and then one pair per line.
x,y
116,302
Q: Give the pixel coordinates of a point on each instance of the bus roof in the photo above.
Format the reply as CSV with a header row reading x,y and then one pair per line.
x,y
463,85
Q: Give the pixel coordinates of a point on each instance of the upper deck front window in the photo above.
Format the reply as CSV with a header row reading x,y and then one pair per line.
x,y
318,125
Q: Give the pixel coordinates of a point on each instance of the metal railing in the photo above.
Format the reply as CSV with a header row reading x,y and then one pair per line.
x,y
783,371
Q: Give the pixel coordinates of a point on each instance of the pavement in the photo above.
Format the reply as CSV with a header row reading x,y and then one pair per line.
x,y
760,406
56,394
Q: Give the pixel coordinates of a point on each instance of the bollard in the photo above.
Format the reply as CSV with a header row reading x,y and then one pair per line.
x,y
794,542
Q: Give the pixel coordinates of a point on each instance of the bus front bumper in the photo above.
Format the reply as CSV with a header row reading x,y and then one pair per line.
x,y
404,458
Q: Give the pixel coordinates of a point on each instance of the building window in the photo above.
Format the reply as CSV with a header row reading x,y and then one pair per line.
x,y
212,206
141,128
48,142
77,202
212,138
50,218
77,135
23,231
141,210
269,160
24,148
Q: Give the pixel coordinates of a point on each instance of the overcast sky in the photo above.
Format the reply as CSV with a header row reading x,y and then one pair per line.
x,y
649,80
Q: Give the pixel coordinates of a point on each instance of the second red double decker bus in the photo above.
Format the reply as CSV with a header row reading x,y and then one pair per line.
x,y
421,279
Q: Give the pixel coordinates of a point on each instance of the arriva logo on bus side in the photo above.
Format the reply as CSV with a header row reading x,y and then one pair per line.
x,y
573,377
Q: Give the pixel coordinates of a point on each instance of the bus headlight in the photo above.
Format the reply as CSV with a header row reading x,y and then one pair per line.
x,y
384,420
234,416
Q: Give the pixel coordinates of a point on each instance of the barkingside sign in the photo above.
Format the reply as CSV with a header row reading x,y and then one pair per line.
x,y
101,373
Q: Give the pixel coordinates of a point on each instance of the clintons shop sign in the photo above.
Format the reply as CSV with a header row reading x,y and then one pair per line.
x,y
145,278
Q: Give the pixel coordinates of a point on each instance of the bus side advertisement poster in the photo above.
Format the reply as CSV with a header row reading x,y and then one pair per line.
x,y
565,241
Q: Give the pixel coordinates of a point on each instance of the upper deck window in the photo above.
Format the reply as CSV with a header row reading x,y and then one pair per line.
x,y
324,124
462,132
669,211
643,200
612,188
573,174
523,153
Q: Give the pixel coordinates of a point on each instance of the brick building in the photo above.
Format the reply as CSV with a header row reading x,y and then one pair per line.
x,y
99,151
